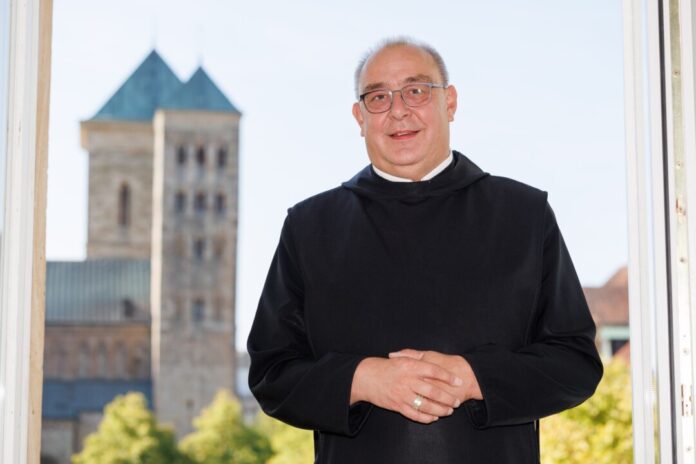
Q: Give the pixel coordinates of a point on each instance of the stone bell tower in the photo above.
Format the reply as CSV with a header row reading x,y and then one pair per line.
x,y
194,236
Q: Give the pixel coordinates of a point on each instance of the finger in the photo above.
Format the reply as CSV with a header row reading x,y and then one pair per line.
x,y
436,372
407,353
418,416
430,408
435,393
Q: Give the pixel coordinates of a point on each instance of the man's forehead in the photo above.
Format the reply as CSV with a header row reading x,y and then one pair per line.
x,y
398,65
420,77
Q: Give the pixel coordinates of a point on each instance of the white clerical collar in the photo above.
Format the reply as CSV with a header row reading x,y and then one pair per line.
x,y
438,169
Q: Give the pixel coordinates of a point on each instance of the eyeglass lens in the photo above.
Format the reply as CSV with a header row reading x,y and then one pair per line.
x,y
413,95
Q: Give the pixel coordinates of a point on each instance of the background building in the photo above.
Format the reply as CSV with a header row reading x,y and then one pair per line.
x,y
609,307
151,309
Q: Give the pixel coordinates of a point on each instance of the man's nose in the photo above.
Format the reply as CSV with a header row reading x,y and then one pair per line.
x,y
398,109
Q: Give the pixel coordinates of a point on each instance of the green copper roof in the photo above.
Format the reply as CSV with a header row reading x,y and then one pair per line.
x,y
154,85
97,291
141,94
199,93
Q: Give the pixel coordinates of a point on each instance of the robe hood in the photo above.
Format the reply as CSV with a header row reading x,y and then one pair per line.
x,y
461,173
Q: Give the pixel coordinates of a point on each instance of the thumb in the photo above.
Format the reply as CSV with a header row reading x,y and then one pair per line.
x,y
407,353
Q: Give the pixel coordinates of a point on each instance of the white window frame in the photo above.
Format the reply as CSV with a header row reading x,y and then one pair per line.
x,y
660,109
22,263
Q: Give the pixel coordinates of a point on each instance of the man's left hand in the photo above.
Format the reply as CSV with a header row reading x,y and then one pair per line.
x,y
453,363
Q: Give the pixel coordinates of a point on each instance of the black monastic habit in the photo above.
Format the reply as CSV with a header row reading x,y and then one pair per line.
x,y
465,263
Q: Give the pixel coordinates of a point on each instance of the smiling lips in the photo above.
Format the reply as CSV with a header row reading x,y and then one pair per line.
x,y
404,134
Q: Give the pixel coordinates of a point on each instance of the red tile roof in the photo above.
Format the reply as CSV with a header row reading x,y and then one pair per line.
x,y
609,303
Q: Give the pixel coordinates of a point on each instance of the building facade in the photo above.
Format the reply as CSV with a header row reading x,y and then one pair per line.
x,y
151,309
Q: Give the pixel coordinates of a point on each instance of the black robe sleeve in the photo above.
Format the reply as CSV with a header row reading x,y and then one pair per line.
x,y
559,368
288,380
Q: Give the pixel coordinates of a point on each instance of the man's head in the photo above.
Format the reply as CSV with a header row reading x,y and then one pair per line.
x,y
407,141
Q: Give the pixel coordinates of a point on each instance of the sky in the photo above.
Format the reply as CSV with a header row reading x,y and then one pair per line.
x,y
540,89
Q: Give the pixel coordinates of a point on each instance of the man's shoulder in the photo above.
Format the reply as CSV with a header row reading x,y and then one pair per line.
x,y
508,187
328,200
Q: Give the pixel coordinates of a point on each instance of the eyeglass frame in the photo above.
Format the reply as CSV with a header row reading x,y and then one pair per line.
x,y
430,85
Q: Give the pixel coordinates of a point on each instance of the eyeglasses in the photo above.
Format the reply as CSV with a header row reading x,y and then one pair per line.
x,y
417,94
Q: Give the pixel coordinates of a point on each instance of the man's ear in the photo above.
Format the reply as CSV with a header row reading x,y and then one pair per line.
x,y
451,102
357,114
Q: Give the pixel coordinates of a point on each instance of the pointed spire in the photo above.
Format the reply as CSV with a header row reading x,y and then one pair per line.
x,y
199,93
141,93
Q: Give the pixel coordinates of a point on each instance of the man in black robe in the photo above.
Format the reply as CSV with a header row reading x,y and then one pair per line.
x,y
424,311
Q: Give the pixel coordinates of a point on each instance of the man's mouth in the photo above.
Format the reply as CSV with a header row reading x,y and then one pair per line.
x,y
403,135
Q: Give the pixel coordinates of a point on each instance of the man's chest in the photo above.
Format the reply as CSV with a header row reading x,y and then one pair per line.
x,y
445,280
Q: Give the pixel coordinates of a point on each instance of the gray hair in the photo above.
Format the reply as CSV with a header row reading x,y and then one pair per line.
x,y
396,42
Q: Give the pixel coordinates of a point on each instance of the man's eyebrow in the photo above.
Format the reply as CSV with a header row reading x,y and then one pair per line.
x,y
408,80
374,86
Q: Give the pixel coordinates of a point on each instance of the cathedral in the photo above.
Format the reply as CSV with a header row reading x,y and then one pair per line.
x,y
152,307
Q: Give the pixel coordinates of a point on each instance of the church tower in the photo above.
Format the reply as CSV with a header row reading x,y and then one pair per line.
x,y
194,226
163,190
120,145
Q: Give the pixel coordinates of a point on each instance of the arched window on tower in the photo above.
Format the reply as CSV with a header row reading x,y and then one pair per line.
x,y
200,157
222,157
220,205
181,156
200,203
124,205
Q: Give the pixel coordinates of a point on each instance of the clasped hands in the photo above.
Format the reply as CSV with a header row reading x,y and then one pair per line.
x,y
442,381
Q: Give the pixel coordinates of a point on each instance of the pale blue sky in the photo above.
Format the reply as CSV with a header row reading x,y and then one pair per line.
x,y
540,100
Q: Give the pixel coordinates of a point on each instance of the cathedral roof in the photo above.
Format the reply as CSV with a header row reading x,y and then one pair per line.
x,y
66,399
97,291
139,97
154,85
199,93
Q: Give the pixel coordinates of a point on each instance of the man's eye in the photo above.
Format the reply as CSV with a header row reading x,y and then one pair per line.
x,y
416,91
378,97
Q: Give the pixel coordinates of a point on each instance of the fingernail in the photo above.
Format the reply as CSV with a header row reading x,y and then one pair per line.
x,y
450,412
457,403
458,381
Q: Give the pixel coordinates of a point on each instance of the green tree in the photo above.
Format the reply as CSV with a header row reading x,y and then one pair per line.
x,y
599,430
290,445
129,434
221,437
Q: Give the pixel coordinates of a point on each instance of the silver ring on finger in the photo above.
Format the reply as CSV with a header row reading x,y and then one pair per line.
x,y
417,402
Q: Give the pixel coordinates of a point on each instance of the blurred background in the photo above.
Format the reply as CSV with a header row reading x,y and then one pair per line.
x,y
235,111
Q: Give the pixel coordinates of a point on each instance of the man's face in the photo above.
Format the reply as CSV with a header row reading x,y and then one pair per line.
x,y
405,141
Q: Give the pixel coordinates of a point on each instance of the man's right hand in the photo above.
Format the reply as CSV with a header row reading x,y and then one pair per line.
x,y
394,384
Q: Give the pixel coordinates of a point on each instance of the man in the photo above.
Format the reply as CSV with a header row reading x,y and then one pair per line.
x,y
424,311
